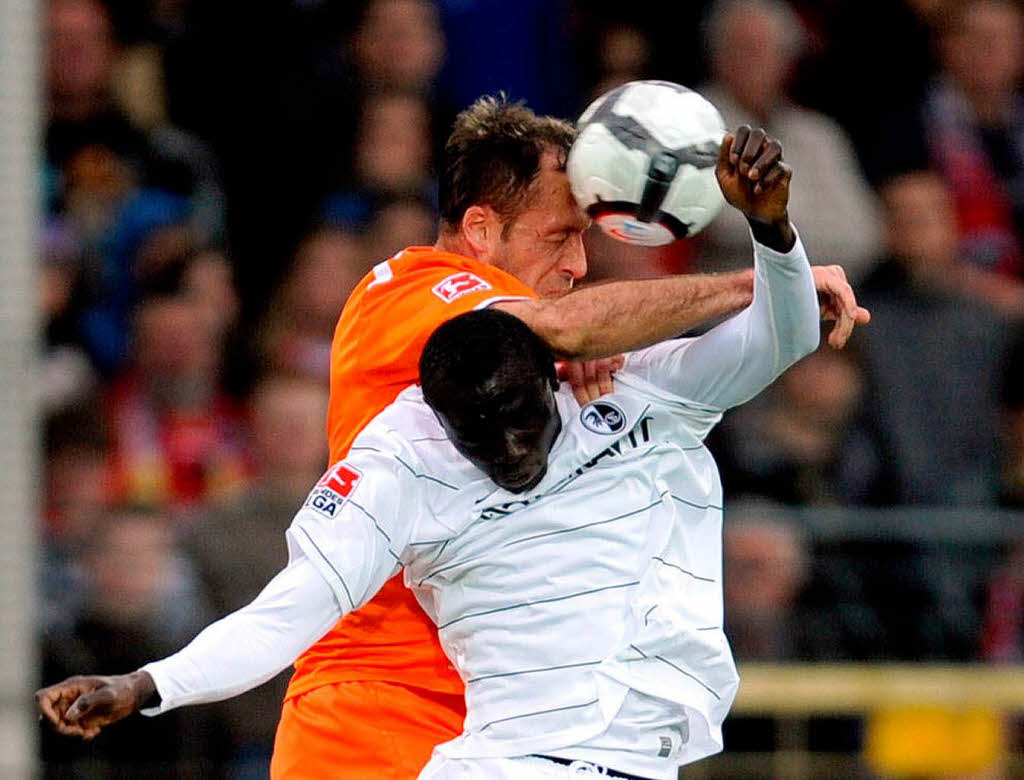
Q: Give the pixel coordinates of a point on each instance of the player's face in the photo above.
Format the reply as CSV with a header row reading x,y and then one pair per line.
x,y
509,436
543,245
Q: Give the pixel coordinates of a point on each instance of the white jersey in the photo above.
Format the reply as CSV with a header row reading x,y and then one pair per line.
x,y
585,615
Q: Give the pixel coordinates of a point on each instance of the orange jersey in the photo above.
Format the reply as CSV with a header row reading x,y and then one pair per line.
x,y
375,355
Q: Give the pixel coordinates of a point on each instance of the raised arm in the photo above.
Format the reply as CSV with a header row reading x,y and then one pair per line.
x,y
737,359
619,317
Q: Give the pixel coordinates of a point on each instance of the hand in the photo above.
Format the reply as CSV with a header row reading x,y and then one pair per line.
x,y
838,303
82,706
752,175
590,379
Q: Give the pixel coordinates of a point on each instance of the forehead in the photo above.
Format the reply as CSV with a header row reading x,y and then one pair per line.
x,y
550,204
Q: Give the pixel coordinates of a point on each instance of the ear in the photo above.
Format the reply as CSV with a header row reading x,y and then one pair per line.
x,y
481,230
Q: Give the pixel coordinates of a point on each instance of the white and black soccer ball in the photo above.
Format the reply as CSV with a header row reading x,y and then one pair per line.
x,y
643,163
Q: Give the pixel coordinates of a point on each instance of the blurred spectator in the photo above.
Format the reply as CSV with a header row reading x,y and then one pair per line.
x,y
794,442
299,325
398,46
141,602
400,223
111,183
1003,634
777,607
1013,403
860,84
624,54
179,437
78,489
753,46
239,547
392,157
935,347
774,613
970,126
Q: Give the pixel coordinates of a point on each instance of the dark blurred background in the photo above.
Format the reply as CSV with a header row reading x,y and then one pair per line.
x,y
218,175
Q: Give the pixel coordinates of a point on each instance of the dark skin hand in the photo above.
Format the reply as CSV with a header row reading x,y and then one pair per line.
x,y
755,180
83,706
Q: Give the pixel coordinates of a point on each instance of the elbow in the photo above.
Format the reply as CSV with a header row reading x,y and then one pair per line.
x,y
559,331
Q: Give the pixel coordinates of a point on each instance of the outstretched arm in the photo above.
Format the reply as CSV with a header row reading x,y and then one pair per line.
x,y
607,319
229,657
340,555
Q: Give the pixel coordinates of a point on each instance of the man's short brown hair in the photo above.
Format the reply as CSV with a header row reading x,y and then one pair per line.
x,y
493,155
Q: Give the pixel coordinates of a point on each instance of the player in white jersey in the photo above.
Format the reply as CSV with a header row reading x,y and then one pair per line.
x,y
570,557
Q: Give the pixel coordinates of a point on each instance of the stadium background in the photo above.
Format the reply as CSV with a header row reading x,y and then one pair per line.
x,y
211,179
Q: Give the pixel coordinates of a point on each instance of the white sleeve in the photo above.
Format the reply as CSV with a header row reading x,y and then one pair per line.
x,y
736,360
252,645
344,544
356,524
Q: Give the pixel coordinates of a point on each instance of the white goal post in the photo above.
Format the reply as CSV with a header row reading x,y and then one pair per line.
x,y
20,109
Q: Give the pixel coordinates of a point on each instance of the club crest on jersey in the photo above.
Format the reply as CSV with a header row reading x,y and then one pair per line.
x,y
333,489
603,417
455,286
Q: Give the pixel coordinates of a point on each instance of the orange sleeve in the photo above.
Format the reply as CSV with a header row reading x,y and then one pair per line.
x,y
386,322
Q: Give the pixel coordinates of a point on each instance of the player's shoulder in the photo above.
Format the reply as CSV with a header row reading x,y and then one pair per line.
x,y
400,424
436,275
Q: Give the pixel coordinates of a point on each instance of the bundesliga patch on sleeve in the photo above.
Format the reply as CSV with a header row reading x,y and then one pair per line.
x,y
333,489
453,287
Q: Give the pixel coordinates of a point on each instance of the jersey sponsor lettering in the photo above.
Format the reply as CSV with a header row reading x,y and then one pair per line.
x,y
333,489
639,435
453,287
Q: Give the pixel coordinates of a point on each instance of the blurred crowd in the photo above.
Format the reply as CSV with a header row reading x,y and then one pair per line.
x,y
217,177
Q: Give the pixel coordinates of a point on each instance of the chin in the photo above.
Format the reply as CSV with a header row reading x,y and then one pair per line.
x,y
521,484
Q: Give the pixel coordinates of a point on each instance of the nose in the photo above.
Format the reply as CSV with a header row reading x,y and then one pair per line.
x,y
515,447
574,263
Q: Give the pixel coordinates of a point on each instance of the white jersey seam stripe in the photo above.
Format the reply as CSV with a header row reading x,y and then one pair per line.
x,y
328,562
680,568
694,504
696,679
538,601
587,525
532,671
541,712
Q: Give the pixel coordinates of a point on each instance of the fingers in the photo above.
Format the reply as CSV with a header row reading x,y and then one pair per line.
x,y
751,150
574,376
778,174
592,379
769,155
53,703
85,705
725,150
839,303
752,154
841,331
593,388
739,143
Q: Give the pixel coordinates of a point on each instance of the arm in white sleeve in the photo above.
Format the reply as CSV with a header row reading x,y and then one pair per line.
x,y
343,546
252,645
736,360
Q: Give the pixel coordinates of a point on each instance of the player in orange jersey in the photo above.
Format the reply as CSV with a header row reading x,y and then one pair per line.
x,y
374,696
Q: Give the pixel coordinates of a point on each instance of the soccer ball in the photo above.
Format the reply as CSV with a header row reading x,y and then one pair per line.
x,y
643,163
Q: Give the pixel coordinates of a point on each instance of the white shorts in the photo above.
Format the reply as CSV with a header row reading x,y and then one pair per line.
x,y
522,768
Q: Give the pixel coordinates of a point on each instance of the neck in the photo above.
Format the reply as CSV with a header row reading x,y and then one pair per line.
x,y
450,241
